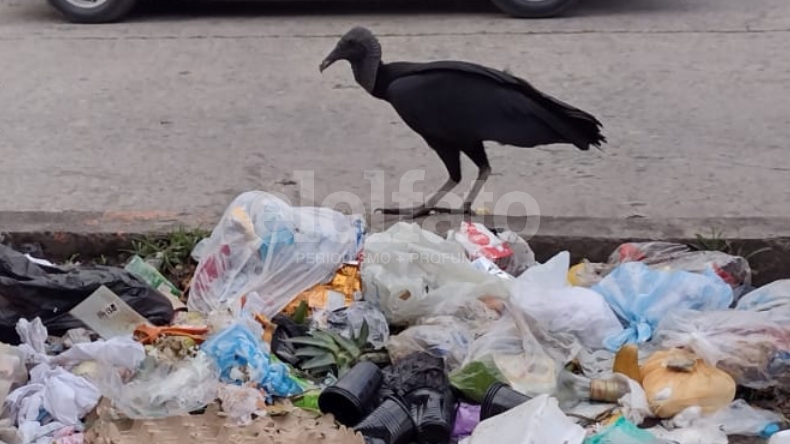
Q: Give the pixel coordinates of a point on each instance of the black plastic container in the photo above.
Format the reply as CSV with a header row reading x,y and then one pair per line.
x,y
500,398
391,423
352,397
433,412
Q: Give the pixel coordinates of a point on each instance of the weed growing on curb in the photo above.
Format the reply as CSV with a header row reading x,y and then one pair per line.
x,y
716,241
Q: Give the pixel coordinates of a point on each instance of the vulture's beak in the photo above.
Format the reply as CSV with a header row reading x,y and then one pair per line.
x,y
329,60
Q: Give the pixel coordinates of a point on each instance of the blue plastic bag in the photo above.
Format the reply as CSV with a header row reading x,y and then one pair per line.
x,y
641,297
241,357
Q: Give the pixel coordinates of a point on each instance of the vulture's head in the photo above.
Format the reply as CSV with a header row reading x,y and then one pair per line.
x,y
356,46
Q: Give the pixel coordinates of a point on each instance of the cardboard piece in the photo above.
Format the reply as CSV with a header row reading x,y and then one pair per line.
x,y
297,427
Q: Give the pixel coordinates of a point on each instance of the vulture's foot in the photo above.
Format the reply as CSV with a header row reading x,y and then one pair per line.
x,y
466,210
412,212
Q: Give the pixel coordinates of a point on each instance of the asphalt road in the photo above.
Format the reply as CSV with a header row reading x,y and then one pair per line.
x,y
183,106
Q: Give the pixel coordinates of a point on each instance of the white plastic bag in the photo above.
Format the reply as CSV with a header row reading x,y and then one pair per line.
x,y
748,345
13,373
641,297
410,273
264,245
537,421
543,291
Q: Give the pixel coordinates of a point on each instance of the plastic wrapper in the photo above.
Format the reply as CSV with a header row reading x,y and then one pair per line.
x,y
466,419
478,241
749,346
773,298
30,290
163,388
538,420
410,273
443,336
242,358
516,351
641,297
264,245
344,288
544,292
240,403
734,270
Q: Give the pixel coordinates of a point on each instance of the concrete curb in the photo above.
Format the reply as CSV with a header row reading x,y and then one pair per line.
x,y
62,234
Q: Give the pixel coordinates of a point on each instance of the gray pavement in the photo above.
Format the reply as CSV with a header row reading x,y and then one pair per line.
x,y
179,109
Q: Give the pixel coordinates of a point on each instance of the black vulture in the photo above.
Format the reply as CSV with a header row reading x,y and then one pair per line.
x,y
456,106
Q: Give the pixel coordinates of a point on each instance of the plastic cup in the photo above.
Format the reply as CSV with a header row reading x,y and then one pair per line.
x,y
500,398
433,412
353,396
391,423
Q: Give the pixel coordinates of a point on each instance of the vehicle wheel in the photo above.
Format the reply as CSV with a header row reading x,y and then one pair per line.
x,y
533,8
93,11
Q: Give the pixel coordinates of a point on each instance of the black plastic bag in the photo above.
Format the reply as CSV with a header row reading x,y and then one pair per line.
x,y
29,290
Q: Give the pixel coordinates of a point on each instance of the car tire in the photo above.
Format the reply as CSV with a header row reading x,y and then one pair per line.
x,y
82,11
533,8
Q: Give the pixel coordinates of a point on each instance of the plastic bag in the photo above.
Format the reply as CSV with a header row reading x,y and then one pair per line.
x,y
641,297
516,351
748,345
443,336
734,270
13,373
544,292
410,273
538,420
163,388
29,290
346,321
242,358
738,418
623,431
773,298
479,241
264,245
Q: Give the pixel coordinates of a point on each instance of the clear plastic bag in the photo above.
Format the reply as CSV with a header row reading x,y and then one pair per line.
x,y
410,273
748,345
443,336
516,351
734,270
162,388
264,245
773,298
543,291
641,297
522,258
738,418
346,321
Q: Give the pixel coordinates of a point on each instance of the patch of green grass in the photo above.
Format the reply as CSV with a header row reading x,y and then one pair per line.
x,y
716,241
173,249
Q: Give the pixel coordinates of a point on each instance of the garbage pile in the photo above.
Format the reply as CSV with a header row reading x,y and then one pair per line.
x,y
302,326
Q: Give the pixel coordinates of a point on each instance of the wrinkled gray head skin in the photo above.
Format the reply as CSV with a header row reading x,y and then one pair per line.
x,y
362,50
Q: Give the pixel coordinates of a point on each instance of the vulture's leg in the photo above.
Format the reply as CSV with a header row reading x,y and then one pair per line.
x,y
478,155
452,161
